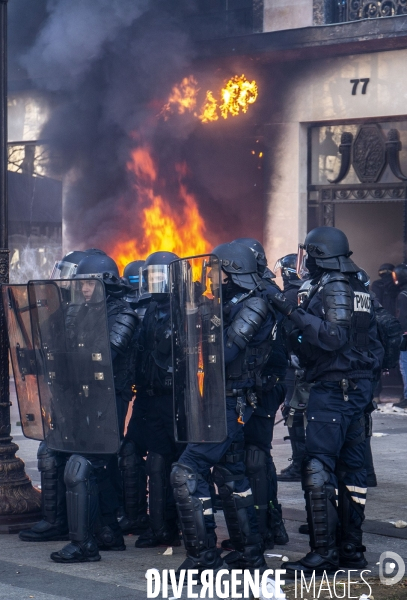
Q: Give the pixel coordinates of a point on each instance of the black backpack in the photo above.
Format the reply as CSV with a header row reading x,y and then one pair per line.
x,y
390,335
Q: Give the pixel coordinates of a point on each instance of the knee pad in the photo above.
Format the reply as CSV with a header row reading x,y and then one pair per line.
x,y
78,470
184,481
314,474
256,460
49,459
225,480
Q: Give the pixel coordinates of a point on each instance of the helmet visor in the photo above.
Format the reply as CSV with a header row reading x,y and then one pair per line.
x,y
302,270
278,268
154,279
63,270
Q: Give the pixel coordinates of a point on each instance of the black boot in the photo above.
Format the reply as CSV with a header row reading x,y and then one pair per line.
x,y
297,440
54,525
110,537
249,556
322,515
168,535
77,552
277,525
133,469
291,473
198,531
82,509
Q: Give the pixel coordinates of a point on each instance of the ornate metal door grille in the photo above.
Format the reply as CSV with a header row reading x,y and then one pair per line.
x,y
368,152
368,9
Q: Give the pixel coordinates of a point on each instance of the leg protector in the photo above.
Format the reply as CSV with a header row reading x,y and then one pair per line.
x,y
81,498
235,507
51,465
256,471
157,475
320,502
133,469
192,511
351,516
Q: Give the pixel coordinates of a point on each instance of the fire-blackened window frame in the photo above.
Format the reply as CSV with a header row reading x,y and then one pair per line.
x,y
323,198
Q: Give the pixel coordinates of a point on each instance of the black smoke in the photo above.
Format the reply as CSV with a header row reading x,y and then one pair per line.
x,y
107,67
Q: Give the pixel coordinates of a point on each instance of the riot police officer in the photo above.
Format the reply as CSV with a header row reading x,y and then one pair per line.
x,y
286,267
131,274
154,390
133,450
385,288
248,323
334,334
91,498
258,432
51,464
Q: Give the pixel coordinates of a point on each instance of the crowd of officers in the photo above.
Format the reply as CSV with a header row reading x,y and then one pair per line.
x,y
318,337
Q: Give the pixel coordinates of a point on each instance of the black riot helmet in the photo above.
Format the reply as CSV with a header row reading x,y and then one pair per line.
x,y
132,273
400,274
239,262
286,267
363,278
386,269
66,267
94,251
256,248
99,266
155,274
325,249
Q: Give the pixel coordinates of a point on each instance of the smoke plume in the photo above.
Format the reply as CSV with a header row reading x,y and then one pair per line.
x,y
107,67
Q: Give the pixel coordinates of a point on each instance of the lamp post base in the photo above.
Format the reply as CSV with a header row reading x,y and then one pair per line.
x,y
20,502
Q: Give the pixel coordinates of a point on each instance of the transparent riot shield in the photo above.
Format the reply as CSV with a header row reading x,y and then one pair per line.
x,y
23,359
75,376
197,349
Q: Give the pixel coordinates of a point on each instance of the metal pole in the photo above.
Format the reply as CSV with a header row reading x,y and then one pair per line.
x,y
19,501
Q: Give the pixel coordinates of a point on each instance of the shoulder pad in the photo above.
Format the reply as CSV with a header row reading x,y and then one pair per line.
x,y
258,305
123,329
333,276
247,322
337,298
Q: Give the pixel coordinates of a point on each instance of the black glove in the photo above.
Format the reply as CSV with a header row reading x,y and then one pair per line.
x,y
281,303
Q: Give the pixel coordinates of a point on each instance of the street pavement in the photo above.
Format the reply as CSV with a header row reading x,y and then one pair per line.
x,y
26,570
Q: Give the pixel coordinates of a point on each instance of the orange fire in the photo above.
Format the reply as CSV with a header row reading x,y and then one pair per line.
x,y
181,231
235,97
182,98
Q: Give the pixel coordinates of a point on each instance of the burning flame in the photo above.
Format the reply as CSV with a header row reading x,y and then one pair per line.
x,y
237,94
182,98
164,227
235,97
209,111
